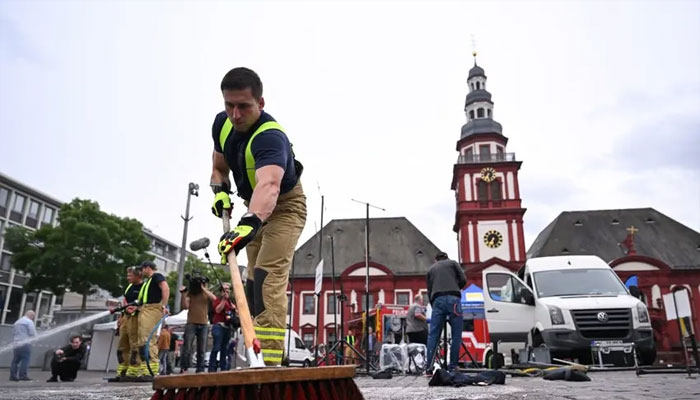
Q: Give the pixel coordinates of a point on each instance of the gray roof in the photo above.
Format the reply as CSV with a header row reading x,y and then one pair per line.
x,y
481,125
599,232
22,187
394,243
477,95
476,71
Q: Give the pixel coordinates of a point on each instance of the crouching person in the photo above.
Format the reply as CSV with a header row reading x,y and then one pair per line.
x,y
66,361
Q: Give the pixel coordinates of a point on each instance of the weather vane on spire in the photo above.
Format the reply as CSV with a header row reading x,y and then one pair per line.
x,y
474,48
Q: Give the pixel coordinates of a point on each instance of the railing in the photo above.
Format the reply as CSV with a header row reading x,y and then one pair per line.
x,y
485,158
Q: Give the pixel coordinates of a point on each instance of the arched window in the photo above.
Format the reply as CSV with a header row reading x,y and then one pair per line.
x,y
480,113
483,191
488,112
656,296
478,85
496,194
471,114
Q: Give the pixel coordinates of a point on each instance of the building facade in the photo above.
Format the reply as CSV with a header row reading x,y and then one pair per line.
x,y
22,205
399,258
489,213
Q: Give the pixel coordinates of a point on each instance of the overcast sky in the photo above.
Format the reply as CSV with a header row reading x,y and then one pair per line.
x,y
114,101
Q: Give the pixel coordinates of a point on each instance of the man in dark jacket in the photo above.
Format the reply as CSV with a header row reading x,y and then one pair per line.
x,y
445,281
66,361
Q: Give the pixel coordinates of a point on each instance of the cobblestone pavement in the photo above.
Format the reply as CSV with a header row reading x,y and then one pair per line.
x,y
603,385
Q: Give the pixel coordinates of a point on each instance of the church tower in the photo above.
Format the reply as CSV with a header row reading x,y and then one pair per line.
x,y
489,216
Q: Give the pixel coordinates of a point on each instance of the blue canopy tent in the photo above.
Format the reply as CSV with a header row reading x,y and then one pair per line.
x,y
473,302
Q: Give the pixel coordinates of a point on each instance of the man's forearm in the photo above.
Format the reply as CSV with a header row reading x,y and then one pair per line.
x,y
264,200
210,295
219,171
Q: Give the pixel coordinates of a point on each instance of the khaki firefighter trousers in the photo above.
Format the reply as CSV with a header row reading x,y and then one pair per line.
x,y
269,259
128,341
149,316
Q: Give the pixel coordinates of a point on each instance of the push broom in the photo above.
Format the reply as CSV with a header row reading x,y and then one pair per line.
x,y
258,382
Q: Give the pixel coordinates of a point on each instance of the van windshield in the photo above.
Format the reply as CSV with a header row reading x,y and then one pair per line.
x,y
587,282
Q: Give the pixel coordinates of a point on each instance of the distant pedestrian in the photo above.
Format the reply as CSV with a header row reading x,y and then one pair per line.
x,y
67,360
23,330
416,322
164,349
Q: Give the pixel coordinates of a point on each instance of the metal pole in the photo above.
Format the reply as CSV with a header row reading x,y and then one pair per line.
x,y
191,190
367,290
318,295
335,299
366,333
291,317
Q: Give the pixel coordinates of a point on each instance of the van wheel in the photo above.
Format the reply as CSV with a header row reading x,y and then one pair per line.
x,y
488,360
647,357
307,363
537,340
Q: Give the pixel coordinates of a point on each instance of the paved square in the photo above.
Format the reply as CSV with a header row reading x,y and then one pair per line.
x,y
603,385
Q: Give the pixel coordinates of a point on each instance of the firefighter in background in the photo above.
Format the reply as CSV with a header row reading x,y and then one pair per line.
x,y
349,354
127,326
249,143
153,300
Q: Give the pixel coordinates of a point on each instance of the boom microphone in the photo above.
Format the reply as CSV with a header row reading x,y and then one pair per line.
x,y
199,244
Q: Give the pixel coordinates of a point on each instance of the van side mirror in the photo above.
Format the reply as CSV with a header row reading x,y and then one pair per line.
x,y
527,296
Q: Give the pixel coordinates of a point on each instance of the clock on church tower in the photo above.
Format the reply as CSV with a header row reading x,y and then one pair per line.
x,y
489,217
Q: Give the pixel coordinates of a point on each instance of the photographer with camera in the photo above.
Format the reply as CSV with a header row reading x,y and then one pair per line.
x,y
223,321
195,299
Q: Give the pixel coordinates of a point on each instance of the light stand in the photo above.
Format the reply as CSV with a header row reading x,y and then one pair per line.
x,y
320,292
335,299
192,190
366,333
291,312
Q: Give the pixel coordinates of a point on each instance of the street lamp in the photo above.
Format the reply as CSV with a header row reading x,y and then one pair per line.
x,y
366,333
192,190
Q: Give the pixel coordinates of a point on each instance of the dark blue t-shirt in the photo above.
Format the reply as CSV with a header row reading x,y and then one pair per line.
x,y
270,147
154,293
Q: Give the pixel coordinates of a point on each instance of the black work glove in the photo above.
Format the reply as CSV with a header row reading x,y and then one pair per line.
x,y
240,236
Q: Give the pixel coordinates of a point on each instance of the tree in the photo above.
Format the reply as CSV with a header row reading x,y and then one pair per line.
x,y
88,249
193,264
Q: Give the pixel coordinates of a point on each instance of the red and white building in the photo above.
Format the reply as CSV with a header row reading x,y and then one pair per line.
x,y
399,257
489,215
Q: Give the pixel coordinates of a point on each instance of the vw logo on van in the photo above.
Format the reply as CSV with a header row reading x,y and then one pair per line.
x,y
603,317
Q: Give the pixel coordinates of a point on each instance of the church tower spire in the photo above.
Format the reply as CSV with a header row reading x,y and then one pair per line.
x,y
489,216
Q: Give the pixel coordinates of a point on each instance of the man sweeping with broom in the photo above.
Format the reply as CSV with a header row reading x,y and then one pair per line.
x,y
249,143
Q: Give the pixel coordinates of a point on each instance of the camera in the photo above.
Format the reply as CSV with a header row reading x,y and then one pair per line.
x,y
232,319
195,282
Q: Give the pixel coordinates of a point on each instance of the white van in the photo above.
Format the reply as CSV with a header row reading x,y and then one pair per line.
x,y
565,303
297,351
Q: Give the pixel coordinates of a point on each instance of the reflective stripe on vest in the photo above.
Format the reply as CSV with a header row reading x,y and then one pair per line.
x,y
350,340
127,289
249,159
143,292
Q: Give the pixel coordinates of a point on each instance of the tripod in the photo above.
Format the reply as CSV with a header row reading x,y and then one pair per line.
x,y
341,343
444,345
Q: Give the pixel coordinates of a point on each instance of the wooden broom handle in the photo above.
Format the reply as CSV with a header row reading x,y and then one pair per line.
x,y
238,291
